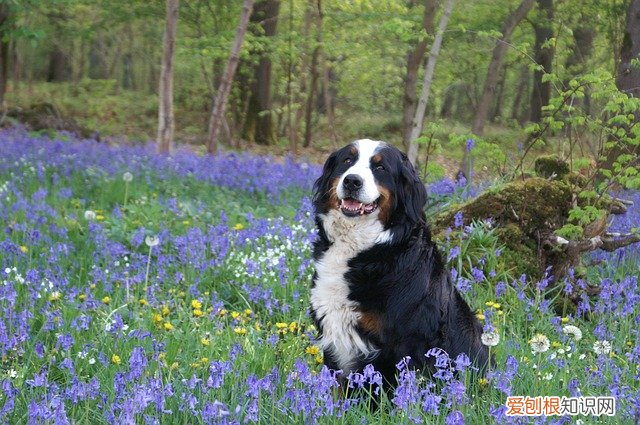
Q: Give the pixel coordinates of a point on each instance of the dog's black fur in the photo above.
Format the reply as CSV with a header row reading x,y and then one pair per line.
x,y
402,284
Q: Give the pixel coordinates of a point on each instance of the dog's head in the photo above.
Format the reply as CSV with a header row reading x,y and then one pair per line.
x,y
369,178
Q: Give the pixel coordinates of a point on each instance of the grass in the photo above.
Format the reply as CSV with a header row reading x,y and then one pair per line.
x,y
218,329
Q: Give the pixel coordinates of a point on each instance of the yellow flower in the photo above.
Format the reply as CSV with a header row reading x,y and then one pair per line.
x,y
223,312
186,222
174,365
115,359
55,296
293,326
99,217
489,303
82,297
556,344
204,360
92,286
480,316
161,356
500,313
257,326
319,359
167,326
157,319
312,350
205,341
142,301
106,300
496,305
248,312
197,312
565,320
281,325
238,226
235,314
24,249
195,304
240,330
165,310
483,382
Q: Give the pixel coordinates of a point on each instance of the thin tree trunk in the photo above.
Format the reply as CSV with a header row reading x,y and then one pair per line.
x,y
415,58
543,57
217,113
165,112
259,126
628,77
328,104
418,118
4,52
293,131
520,91
495,65
312,84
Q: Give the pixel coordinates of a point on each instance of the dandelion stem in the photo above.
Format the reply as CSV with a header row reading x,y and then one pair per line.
x,y
126,193
146,275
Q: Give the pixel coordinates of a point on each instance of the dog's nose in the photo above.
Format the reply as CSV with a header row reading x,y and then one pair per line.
x,y
352,182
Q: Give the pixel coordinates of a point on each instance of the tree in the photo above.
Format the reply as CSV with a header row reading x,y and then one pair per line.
x,y
418,119
495,65
628,81
165,112
415,58
217,113
4,49
543,56
259,126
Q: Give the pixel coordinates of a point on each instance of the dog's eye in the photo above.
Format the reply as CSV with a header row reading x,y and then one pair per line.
x,y
348,161
379,167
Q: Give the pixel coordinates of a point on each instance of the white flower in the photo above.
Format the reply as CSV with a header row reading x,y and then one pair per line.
x,y
602,347
490,339
539,343
13,373
573,332
151,241
127,177
89,215
548,376
92,360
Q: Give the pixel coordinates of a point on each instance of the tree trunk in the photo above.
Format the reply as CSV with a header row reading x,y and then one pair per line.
x,y
495,65
543,55
165,112
308,114
497,108
217,113
418,119
259,126
4,51
628,76
415,58
293,131
328,104
516,113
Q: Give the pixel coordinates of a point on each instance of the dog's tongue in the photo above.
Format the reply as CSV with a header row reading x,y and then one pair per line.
x,y
351,203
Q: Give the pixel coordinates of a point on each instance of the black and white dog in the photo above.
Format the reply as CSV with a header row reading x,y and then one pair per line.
x,y
380,291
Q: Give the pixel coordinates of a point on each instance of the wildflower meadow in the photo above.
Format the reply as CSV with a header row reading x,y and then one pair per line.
x,y
140,288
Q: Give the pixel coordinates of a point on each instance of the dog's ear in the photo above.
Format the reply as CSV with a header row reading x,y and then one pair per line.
x,y
321,186
413,196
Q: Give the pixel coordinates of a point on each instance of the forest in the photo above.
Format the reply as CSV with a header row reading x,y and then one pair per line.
x,y
157,166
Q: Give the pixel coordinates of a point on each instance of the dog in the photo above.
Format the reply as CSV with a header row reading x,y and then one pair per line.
x,y
380,290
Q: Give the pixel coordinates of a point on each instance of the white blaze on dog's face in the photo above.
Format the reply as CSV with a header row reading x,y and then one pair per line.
x,y
356,189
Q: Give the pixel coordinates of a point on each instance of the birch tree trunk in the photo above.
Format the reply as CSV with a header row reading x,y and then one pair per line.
x,y
217,113
165,110
414,60
495,65
418,118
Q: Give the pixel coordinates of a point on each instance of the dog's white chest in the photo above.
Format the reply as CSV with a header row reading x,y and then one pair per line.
x,y
330,295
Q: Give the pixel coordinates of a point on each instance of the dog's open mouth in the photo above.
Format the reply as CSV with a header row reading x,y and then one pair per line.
x,y
353,208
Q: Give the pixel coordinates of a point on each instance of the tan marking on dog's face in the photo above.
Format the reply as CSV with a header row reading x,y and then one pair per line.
x,y
332,201
385,204
376,159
